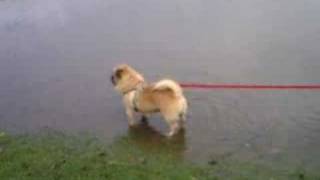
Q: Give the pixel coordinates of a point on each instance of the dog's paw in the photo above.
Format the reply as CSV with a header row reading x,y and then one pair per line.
x,y
132,124
169,134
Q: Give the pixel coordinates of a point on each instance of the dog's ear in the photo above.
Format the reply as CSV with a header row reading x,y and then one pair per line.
x,y
118,73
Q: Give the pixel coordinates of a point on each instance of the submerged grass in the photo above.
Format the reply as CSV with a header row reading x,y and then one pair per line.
x,y
57,156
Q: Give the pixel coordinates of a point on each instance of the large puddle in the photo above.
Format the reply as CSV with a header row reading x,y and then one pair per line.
x,y
56,57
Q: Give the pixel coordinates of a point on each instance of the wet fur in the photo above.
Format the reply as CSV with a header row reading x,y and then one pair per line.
x,y
164,96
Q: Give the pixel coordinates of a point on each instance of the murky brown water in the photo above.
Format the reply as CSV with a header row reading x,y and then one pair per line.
x,y
56,56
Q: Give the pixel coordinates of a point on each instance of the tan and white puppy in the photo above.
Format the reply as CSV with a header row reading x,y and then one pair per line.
x,y
165,96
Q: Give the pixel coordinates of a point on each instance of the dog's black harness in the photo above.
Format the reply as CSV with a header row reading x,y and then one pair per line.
x,y
137,90
136,95
134,102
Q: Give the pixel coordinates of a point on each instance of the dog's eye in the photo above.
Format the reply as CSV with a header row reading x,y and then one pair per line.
x,y
119,73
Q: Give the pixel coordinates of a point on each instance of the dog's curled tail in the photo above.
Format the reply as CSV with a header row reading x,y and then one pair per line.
x,y
168,84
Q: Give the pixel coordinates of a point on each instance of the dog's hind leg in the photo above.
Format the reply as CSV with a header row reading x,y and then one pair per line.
x,y
174,126
182,119
174,123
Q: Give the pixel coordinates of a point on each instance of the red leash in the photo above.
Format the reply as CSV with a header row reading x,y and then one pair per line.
x,y
250,86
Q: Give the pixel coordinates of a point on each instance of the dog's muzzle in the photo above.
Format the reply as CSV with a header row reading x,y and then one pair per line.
x,y
113,80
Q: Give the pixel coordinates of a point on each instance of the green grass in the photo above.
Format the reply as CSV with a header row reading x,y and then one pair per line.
x,y
57,156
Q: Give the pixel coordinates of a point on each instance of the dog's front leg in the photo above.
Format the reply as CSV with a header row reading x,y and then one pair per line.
x,y
130,115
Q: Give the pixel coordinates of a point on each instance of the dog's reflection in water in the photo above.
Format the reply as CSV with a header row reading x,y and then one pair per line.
x,y
149,139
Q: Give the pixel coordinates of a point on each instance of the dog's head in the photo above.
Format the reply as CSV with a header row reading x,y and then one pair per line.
x,y
125,78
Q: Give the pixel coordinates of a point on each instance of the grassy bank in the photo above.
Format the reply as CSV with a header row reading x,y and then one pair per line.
x,y
57,156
